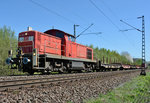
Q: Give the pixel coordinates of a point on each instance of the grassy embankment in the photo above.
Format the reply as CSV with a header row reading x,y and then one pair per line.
x,y
135,91
9,72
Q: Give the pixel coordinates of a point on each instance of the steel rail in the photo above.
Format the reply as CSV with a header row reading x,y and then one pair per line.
x,y
15,84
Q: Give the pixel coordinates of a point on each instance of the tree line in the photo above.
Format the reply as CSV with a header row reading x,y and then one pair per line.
x,y
108,56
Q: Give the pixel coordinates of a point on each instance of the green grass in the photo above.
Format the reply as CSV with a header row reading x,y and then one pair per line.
x,y
5,71
135,91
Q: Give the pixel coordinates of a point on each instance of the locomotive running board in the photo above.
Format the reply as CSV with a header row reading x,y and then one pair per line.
x,y
35,68
67,58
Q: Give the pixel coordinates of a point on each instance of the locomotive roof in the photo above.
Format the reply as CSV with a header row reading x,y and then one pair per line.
x,y
49,31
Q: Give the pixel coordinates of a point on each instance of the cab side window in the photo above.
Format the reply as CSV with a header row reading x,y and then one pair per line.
x,y
59,34
70,38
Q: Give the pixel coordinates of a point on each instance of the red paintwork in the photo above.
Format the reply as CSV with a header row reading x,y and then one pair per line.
x,y
43,42
54,42
70,48
26,46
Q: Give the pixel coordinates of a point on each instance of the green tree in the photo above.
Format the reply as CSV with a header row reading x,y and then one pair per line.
x,y
138,62
7,41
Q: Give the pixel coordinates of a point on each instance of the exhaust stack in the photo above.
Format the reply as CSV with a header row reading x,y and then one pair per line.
x,y
29,28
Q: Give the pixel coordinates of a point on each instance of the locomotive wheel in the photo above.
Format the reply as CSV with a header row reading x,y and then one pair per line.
x,y
48,72
97,70
49,69
80,71
45,72
62,70
69,71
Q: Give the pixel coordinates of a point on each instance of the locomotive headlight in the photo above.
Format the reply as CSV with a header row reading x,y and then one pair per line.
x,y
9,61
26,60
34,54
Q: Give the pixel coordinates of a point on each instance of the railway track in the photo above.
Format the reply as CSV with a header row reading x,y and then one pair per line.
x,y
16,84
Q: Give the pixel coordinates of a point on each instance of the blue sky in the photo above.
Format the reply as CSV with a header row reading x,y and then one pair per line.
x,y
62,14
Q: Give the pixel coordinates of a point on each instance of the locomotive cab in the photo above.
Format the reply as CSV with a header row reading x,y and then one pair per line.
x,y
66,41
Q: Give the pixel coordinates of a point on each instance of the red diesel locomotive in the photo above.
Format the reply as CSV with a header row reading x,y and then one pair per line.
x,y
53,50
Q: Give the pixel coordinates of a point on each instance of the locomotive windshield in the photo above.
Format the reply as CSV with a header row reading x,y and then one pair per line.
x,y
26,38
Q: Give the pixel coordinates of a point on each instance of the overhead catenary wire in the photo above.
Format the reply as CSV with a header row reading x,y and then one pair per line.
x,y
55,13
110,10
111,20
106,16
118,19
122,31
51,11
103,14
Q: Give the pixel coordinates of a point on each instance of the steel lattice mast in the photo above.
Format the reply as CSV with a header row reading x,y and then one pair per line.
x,y
143,42
143,46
